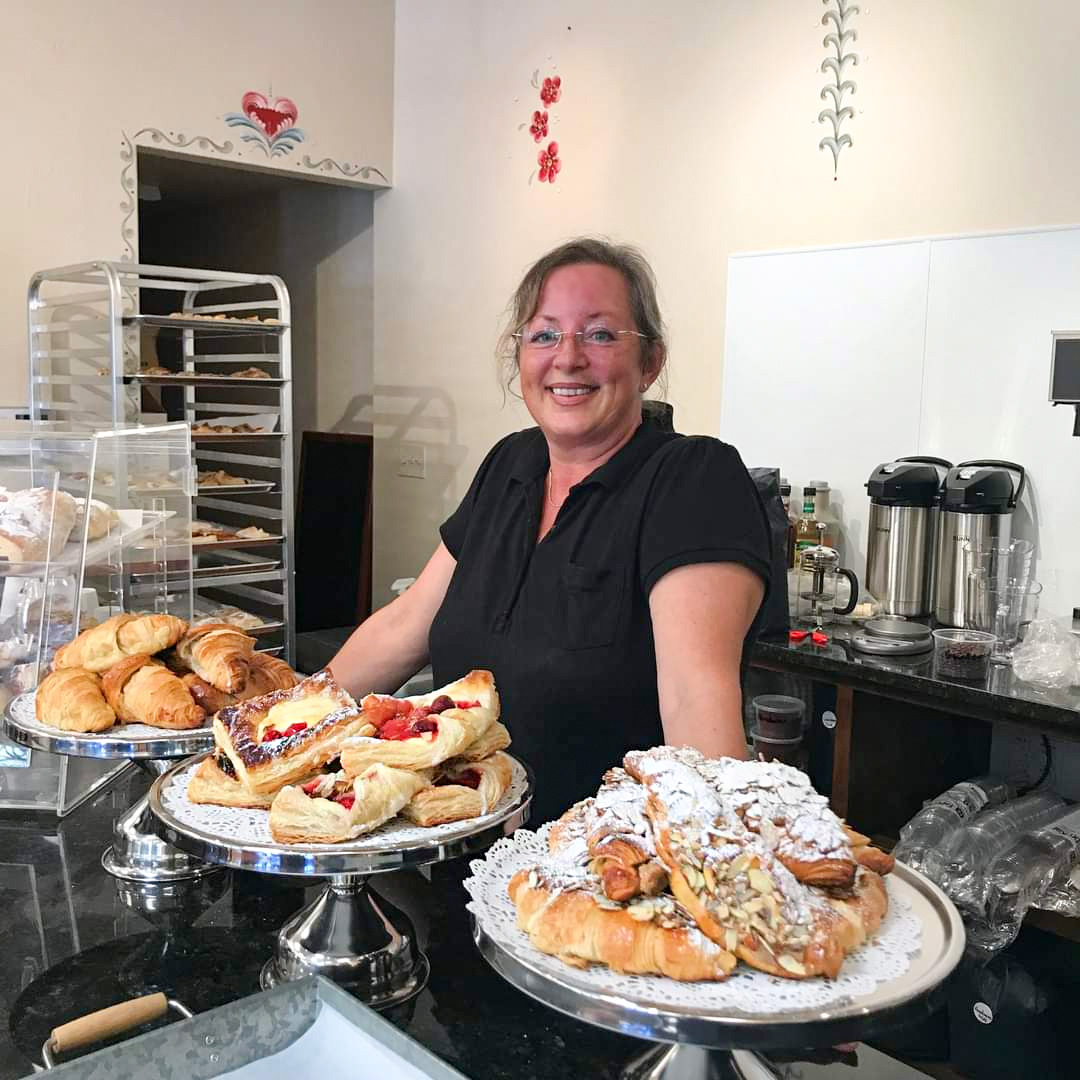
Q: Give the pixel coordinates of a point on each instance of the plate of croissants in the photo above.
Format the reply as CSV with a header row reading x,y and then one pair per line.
x,y
146,677
692,885
309,765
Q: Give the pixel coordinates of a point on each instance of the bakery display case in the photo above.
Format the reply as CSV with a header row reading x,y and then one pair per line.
x,y
111,343
81,538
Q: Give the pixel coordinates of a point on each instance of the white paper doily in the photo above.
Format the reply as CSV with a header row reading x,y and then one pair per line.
x,y
252,827
21,711
885,958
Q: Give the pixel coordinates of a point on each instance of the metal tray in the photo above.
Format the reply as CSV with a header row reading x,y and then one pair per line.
x,y
232,436
373,854
300,1030
122,741
232,326
226,545
891,1004
255,487
202,380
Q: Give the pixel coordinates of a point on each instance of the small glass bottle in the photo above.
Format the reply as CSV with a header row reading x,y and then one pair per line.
x,y
785,498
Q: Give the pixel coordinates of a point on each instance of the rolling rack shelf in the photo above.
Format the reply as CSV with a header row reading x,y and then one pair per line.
x,y
93,338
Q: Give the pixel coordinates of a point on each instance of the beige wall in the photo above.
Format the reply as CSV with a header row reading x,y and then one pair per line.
x,y
77,76
691,129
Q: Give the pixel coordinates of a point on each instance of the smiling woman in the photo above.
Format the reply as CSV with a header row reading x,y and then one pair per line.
x,y
608,572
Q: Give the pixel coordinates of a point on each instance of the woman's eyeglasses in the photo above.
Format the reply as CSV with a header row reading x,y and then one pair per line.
x,y
596,338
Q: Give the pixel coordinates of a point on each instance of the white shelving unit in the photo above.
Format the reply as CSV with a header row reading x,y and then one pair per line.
x,y
93,333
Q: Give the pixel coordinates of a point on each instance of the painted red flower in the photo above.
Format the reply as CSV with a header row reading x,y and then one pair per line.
x,y
539,128
551,91
549,163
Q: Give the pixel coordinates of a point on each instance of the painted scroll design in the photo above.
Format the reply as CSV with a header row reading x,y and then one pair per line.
x,y
346,169
836,41
130,201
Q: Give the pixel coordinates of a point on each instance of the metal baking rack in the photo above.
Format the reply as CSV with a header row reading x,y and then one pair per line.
x,y
91,337
349,934
704,1043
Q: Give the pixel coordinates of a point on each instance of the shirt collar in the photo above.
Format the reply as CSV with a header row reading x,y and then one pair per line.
x,y
533,462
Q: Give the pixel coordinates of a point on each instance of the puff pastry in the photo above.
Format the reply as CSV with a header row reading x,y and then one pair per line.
x,y
215,782
733,883
424,731
117,638
219,653
286,735
337,807
495,738
267,673
561,906
462,791
142,691
72,700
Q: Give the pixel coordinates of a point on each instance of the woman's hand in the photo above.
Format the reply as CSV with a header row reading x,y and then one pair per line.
x,y
700,615
391,646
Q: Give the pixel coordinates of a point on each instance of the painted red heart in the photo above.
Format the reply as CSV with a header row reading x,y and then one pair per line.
x,y
272,118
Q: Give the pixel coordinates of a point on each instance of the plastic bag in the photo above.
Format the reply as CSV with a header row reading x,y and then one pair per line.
x,y
1049,655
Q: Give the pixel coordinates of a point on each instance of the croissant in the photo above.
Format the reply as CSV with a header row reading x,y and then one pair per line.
x,y
144,692
72,701
651,937
267,673
209,697
105,645
218,653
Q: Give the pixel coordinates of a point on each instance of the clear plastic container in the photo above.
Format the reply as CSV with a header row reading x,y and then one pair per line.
x,y
963,654
778,716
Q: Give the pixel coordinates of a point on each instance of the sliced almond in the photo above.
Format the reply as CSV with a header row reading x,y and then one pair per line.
x,y
641,912
759,881
731,939
710,879
752,907
533,879
721,910
740,863
789,963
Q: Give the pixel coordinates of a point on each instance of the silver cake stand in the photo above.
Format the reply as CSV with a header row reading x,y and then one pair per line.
x,y
349,934
137,853
709,1045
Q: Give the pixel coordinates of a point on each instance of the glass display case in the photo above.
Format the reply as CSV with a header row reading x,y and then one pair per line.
x,y
92,523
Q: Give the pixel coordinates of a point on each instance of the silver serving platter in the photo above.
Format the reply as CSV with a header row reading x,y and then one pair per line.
x,y
122,741
890,1004
325,860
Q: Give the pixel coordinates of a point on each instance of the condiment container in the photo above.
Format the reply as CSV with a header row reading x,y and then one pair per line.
x,y
963,654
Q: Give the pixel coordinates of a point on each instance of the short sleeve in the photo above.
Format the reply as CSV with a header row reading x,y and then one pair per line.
x,y
703,508
453,529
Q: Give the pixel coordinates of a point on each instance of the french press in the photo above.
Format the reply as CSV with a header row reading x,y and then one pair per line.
x,y
818,585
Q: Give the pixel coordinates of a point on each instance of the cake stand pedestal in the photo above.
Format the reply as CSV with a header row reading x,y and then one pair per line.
x,y
349,934
137,853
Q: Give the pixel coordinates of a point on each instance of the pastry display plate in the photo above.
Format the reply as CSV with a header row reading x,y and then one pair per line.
x,y
888,982
241,838
122,741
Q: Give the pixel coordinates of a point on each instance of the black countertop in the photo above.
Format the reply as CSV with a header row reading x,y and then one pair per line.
x,y
1001,696
72,941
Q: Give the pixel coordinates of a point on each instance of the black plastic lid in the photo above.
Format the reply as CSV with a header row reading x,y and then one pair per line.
x,y
904,483
979,489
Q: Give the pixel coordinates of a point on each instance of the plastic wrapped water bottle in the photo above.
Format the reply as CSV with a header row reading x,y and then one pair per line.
x,y
921,837
1039,863
967,851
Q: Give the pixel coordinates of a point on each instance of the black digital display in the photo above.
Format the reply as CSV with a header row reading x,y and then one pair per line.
x,y
1065,376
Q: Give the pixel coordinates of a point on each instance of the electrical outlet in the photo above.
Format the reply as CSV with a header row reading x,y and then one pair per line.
x,y
412,461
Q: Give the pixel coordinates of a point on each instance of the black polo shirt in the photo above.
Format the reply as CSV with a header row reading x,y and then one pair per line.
x,y
564,624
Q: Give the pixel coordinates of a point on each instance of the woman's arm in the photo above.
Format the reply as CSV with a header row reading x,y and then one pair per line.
x,y
700,615
390,646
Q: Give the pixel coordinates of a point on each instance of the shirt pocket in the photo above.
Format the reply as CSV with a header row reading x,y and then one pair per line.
x,y
588,606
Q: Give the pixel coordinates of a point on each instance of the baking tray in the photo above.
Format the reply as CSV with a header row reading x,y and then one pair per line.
x,y
304,1030
228,545
256,487
202,380
231,326
226,436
